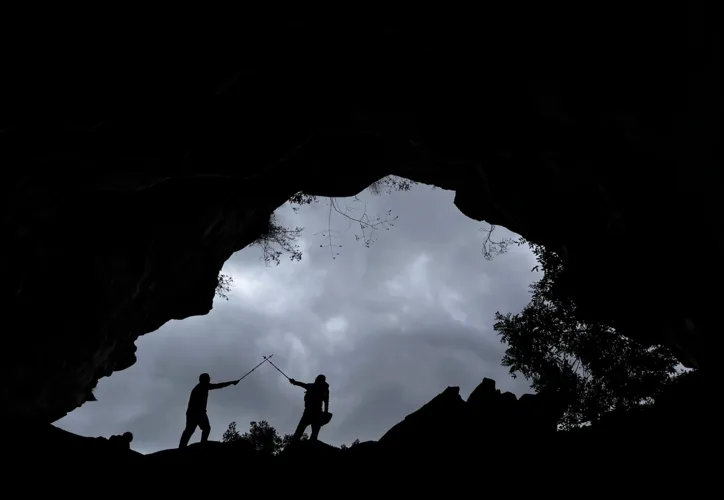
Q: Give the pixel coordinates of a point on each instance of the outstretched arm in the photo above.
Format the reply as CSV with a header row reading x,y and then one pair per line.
x,y
223,384
300,384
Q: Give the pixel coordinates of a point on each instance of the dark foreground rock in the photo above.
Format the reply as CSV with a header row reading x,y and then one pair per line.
x,y
489,437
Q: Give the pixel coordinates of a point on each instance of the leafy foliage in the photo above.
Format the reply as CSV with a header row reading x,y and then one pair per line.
x,y
223,285
603,370
345,447
287,439
390,184
264,437
261,435
277,240
231,434
300,199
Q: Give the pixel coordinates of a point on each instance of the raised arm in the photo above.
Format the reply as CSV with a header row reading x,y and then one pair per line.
x,y
221,385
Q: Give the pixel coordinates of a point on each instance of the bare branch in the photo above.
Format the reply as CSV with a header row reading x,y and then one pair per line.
x,y
278,240
492,248
368,225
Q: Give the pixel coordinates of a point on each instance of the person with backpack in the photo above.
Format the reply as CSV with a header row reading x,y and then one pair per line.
x,y
317,395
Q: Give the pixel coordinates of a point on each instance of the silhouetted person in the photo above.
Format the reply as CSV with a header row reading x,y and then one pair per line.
x,y
316,395
122,441
196,411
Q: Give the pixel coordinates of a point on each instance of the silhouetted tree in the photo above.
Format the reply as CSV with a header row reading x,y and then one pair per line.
x,y
345,447
549,345
262,436
231,434
287,440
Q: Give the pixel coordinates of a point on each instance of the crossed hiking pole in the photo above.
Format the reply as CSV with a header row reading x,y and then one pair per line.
x,y
266,358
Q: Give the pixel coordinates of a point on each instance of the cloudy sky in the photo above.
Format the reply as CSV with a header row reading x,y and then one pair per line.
x,y
390,326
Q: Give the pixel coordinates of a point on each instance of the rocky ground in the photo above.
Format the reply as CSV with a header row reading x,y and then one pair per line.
x,y
491,436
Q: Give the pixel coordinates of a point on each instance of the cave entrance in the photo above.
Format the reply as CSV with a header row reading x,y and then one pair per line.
x,y
388,293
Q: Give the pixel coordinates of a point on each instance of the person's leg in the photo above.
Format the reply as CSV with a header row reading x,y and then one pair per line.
x,y
301,427
188,431
205,426
315,430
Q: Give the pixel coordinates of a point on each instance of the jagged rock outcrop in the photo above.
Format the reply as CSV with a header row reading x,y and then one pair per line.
x,y
497,435
486,416
131,177
445,425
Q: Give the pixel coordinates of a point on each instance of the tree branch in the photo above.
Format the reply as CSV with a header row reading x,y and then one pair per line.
x,y
492,248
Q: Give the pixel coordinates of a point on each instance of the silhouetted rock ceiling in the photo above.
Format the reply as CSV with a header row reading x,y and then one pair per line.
x,y
134,169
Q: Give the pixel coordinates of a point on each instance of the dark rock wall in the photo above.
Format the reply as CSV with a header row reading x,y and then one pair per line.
x,y
140,167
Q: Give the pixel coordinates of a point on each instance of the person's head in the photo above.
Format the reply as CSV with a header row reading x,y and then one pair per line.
x,y
205,378
320,380
128,436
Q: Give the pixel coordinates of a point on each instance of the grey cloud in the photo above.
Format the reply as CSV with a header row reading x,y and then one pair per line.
x,y
391,326
365,417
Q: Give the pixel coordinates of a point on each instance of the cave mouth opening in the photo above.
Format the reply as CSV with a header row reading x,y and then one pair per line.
x,y
390,293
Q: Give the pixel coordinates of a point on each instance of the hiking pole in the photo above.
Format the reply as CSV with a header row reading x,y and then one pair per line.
x,y
275,366
266,358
